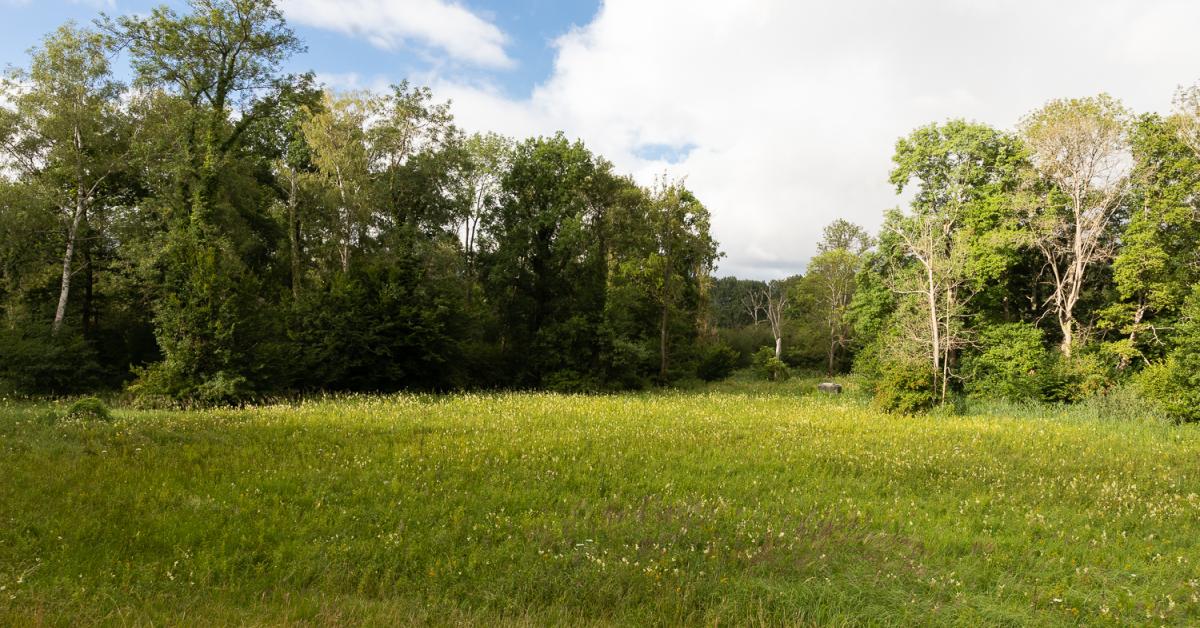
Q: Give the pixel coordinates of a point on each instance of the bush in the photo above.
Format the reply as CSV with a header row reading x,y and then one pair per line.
x,y
89,409
746,341
717,361
1008,365
40,364
569,381
769,366
159,384
1071,379
1175,384
904,387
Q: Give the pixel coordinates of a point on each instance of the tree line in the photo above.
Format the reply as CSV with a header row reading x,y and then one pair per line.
x,y
216,230
1055,262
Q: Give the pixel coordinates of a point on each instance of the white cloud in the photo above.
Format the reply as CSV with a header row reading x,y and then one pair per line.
x,y
354,82
793,108
390,25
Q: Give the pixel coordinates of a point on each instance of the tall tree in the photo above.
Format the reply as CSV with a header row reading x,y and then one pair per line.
x,y
546,274
479,191
776,296
829,282
65,133
844,235
216,70
336,137
943,244
1080,148
680,257
1157,262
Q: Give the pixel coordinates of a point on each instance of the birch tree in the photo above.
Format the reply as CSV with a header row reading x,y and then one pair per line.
x,y
943,246
65,133
829,287
337,139
1079,148
775,298
754,302
936,280
480,187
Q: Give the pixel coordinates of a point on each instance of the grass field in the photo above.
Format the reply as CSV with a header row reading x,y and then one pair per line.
x,y
737,504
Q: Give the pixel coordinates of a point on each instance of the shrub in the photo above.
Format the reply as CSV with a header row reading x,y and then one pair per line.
x,y
1008,365
223,389
1175,384
746,341
89,408
769,366
569,381
1071,379
904,387
39,363
717,361
159,384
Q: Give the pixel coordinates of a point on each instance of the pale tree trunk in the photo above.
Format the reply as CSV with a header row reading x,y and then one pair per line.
x,y
294,237
778,347
344,253
1068,333
947,339
64,291
662,367
666,293
934,325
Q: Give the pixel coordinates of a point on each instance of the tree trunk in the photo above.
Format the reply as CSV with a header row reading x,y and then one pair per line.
x,y
1068,332
87,308
662,368
294,238
64,291
934,331
779,347
347,234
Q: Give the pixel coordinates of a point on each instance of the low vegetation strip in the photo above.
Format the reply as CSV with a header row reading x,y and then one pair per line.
x,y
724,506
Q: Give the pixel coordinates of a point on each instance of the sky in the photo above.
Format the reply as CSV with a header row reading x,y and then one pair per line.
x,y
780,114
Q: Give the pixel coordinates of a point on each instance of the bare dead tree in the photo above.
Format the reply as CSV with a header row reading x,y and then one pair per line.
x,y
938,281
1079,147
775,297
754,303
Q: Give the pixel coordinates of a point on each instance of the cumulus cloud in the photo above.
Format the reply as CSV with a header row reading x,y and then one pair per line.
x,y
783,115
387,24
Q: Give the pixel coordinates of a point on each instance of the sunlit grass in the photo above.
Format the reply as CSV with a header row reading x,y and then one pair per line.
x,y
739,504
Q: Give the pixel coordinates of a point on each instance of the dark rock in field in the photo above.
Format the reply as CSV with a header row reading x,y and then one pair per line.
x,y
830,387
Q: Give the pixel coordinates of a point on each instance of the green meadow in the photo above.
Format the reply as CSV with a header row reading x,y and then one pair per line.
x,y
736,504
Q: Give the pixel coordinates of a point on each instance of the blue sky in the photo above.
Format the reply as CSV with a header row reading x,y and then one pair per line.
x,y
531,28
781,115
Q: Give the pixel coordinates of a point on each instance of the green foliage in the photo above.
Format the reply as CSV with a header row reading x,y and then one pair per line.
x,y
1150,283
89,409
382,329
1082,375
717,361
1009,363
38,363
211,326
732,304
770,367
747,341
1175,383
904,388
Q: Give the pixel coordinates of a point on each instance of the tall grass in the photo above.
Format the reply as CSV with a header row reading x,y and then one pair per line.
x,y
745,503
